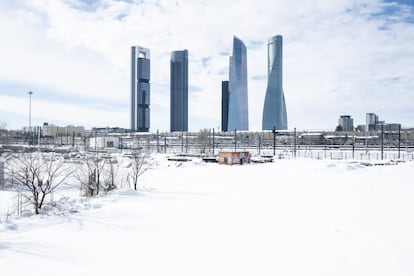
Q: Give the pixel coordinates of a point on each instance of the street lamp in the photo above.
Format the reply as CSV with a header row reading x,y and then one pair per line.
x,y
30,112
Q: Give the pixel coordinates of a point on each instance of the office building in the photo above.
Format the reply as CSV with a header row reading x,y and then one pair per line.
x,y
274,108
371,122
179,91
238,117
345,123
392,127
224,105
52,130
140,89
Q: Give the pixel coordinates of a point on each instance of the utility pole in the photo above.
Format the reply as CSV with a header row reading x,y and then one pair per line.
x,y
382,142
165,144
182,141
213,141
274,140
235,140
399,141
158,141
259,144
186,141
294,142
353,148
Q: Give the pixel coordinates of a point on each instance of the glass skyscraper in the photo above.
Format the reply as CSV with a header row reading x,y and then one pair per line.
x,y
140,89
238,116
179,91
274,109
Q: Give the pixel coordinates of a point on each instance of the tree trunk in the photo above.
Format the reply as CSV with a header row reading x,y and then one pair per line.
x,y
36,208
42,200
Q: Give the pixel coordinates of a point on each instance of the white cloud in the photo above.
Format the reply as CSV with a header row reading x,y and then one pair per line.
x,y
338,57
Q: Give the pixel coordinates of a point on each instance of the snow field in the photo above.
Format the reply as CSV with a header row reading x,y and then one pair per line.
x,y
290,217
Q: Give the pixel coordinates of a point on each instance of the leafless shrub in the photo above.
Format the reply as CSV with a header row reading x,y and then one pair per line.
x,y
37,176
139,165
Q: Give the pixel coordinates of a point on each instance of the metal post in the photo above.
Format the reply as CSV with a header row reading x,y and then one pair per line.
x,y
186,141
182,141
165,144
158,141
294,142
259,144
399,141
382,142
213,141
274,140
353,148
235,140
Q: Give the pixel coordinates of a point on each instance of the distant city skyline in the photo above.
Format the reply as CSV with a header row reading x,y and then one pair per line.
x,y
339,57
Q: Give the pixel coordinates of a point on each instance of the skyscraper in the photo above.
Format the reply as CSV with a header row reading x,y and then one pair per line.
x,y
224,105
274,108
140,89
238,117
179,91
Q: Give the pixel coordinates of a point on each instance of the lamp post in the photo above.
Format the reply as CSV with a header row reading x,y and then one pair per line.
x,y
382,141
30,114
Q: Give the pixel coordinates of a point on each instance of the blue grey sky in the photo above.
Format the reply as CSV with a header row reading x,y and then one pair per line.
x,y
340,57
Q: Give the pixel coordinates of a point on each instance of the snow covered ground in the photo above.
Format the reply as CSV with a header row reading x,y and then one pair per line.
x,y
289,217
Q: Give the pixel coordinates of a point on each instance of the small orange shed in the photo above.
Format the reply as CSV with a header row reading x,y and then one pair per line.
x,y
234,157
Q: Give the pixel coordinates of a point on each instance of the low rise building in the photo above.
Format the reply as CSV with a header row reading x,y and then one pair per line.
x,y
98,143
55,131
345,123
234,157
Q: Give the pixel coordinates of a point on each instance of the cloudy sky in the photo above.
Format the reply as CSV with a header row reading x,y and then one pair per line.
x,y
340,57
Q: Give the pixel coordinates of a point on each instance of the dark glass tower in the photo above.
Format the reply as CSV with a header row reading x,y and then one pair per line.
x,y
140,89
224,105
179,91
274,108
238,102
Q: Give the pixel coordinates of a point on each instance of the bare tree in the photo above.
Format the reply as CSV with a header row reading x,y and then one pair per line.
x,y
39,175
139,165
203,140
89,174
111,174
1,171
